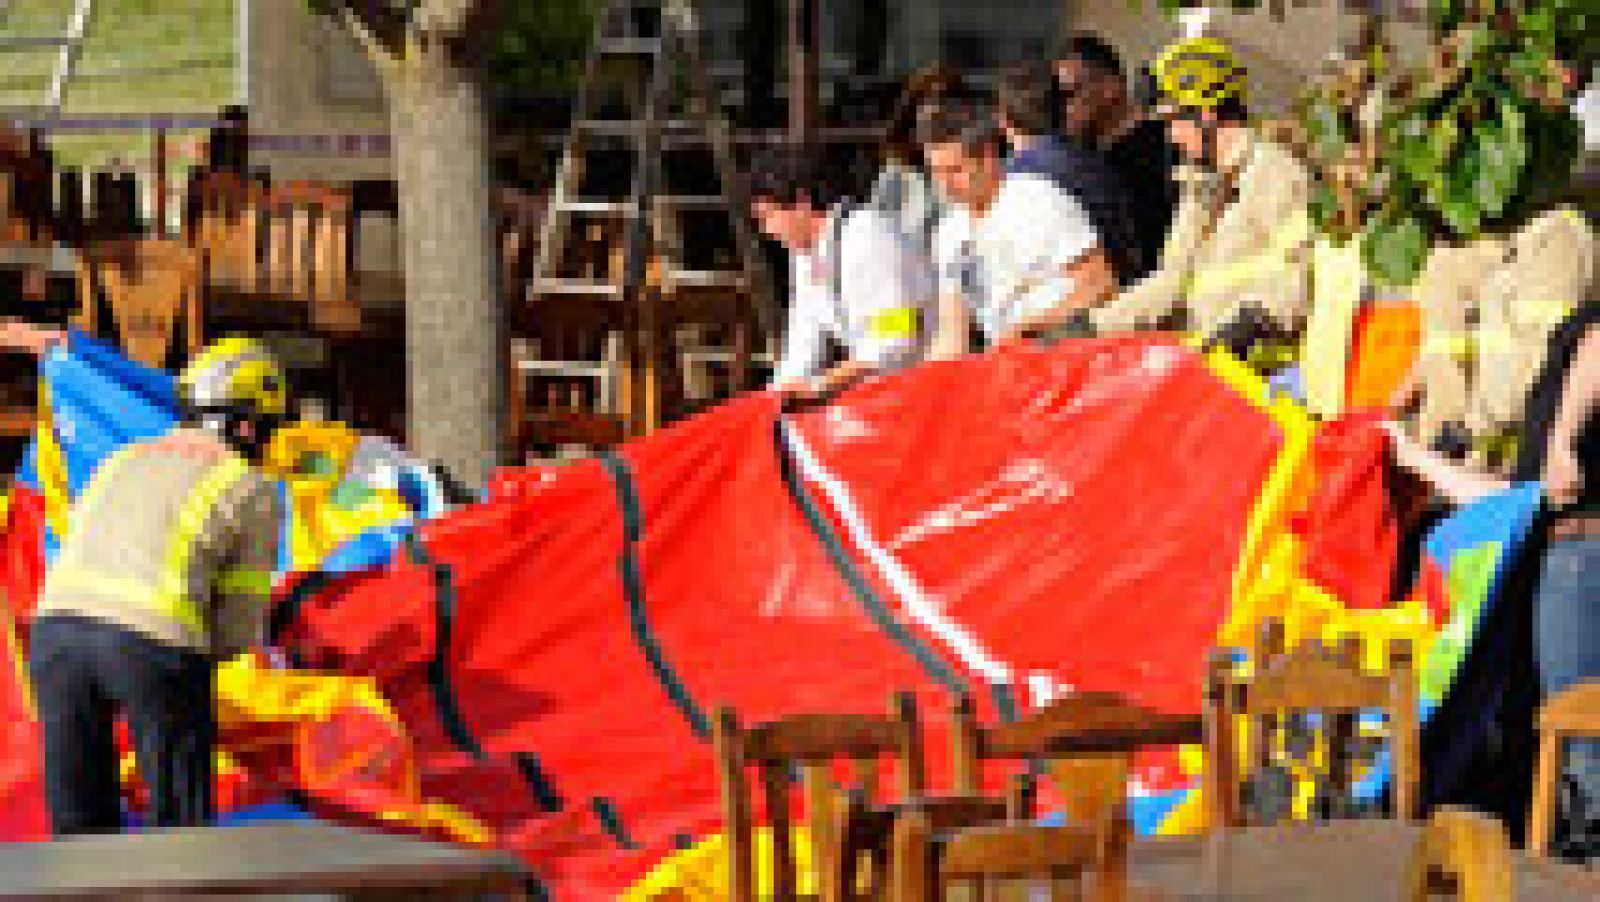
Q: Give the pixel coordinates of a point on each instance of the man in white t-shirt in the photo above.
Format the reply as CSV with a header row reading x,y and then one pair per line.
x,y
1016,255
860,292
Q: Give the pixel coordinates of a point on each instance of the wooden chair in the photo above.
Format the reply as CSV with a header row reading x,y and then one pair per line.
x,y
25,188
1464,855
308,231
1273,702
1060,857
1573,713
813,742
1089,739
143,291
864,832
224,225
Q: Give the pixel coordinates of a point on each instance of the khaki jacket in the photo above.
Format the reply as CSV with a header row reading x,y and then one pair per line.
x,y
1224,254
175,538
1546,273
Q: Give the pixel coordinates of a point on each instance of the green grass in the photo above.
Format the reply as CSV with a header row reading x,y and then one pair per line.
x,y
140,56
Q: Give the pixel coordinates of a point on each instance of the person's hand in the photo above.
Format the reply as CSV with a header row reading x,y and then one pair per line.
x,y
1409,454
22,336
1563,474
796,394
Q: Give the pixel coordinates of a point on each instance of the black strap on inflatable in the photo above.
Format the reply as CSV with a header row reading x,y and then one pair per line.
x,y
633,587
936,668
446,704
287,613
606,811
1005,703
543,790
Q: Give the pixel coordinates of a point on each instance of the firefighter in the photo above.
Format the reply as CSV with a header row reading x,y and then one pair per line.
x,y
165,570
1235,266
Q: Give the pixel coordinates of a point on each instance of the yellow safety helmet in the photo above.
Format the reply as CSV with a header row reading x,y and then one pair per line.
x,y
1199,74
235,374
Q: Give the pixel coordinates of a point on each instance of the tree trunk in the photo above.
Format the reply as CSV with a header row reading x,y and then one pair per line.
x,y
454,323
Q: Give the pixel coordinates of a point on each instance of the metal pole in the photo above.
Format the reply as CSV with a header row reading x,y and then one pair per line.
x,y
804,37
159,226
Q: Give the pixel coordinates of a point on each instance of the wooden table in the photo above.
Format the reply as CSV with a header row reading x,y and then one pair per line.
x,y
1327,862
283,859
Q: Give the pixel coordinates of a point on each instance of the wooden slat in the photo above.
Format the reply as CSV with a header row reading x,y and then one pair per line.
x,y
816,737
1014,852
17,421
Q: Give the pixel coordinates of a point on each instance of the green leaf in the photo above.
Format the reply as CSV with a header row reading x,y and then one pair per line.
x,y
1325,126
1497,156
1441,142
1451,196
1394,250
1324,207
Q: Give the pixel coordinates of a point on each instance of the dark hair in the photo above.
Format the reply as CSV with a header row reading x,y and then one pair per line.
x,y
1029,97
926,86
1093,51
1231,111
789,175
966,121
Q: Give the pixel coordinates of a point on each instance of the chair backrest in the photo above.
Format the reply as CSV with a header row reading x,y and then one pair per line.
x,y
224,224
866,831
1572,713
987,855
308,233
1464,855
1306,705
518,218
150,287
1088,737
813,742
25,189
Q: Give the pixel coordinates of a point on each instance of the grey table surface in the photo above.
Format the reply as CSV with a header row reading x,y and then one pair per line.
x,y
1334,861
296,858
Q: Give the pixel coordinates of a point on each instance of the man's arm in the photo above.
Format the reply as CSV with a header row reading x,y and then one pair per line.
x,y
1456,483
1094,281
1563,472
243,588
951,335
885,282
23,336
803,347
953,332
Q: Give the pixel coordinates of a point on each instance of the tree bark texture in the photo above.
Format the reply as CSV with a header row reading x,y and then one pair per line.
x,y
455,330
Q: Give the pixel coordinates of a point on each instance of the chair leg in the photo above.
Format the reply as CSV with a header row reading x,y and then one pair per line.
x,y
1541,820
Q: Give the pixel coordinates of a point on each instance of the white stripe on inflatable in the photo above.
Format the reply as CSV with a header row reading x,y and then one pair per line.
x,y
913,598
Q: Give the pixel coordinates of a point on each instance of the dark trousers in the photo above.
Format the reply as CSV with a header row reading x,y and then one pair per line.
x,y
1568,651
84,673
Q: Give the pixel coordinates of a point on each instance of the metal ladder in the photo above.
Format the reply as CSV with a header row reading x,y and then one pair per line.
x,y
652,50
69,43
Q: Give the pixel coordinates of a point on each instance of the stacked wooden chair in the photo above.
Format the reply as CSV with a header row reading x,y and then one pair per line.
x,y
1305,704
1571,714
810,743
145,294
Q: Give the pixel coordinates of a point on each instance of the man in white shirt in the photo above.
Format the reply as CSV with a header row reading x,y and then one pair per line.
x,y
1016,254
860,291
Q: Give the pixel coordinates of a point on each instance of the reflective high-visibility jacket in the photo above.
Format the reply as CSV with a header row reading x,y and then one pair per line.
x,y
1547,273
1250,248
175,538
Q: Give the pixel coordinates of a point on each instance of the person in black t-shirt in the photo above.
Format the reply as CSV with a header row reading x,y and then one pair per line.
x,y
1027,102
1561,448
1098,110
